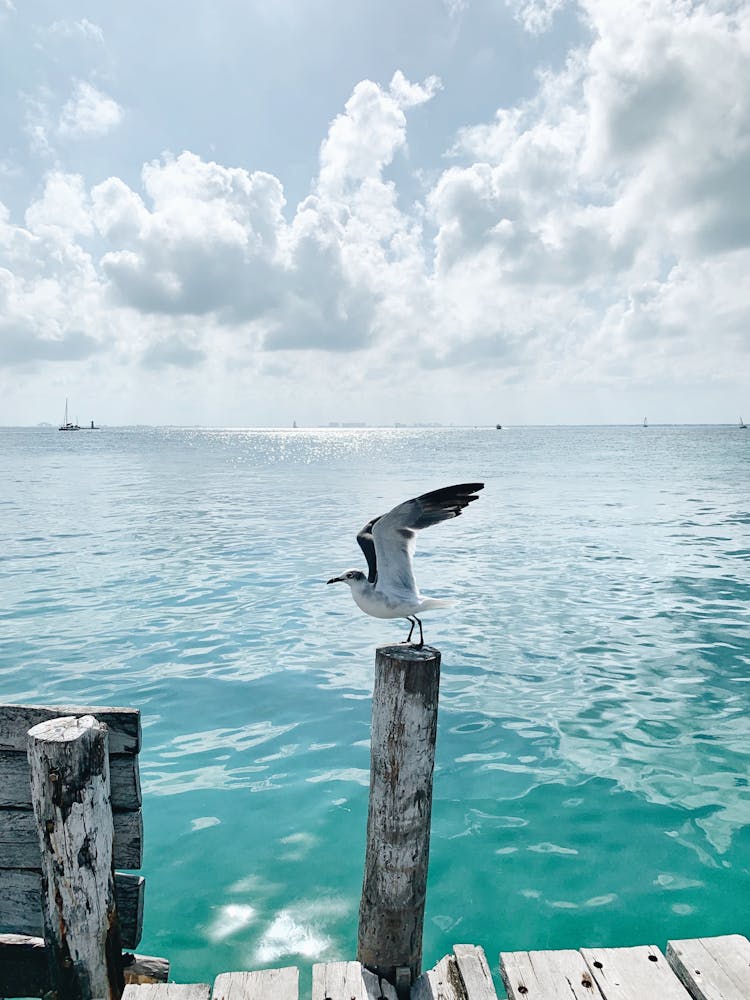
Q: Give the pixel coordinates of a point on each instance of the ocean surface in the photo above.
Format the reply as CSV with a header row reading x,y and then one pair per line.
x,y
593,753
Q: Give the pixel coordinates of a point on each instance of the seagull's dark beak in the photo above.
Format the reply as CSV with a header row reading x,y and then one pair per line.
x,y
336,579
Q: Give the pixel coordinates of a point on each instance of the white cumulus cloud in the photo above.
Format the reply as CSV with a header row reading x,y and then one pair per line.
x,y
88,112
599,195
364,139
211,240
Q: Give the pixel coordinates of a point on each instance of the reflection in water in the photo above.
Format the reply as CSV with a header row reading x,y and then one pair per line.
x,y
300,931
229,920
204,822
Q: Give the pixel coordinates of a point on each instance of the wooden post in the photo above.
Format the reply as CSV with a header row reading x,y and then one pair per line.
x,y
402,759
70,793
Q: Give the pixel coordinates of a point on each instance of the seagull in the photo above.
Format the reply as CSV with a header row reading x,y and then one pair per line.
x,y
389,590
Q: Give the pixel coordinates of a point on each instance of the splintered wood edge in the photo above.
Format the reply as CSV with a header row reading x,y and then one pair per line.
x,y
474,971
443,982
714,966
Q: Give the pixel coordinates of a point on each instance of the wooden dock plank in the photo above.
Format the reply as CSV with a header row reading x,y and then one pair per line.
x,y
269,984
633,973
124,724
19,843
441,983
167,991
475,972
348,981
715,968
547,975
15,788
21,903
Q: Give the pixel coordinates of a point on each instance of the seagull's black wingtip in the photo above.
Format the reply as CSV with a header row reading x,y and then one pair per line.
x,y
465,488
467,491
462,488
444,503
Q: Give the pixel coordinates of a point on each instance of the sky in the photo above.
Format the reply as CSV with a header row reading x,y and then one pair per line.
x,y
244,213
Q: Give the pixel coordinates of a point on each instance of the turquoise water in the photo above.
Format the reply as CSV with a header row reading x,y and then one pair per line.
x,y
592,770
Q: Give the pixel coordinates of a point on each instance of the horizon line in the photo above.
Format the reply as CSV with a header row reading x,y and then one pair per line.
x,y
362,426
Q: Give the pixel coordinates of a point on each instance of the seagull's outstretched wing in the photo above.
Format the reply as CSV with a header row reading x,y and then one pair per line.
x,y
367,544
392,537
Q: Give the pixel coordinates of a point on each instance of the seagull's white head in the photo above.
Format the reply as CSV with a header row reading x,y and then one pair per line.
x,y
351,576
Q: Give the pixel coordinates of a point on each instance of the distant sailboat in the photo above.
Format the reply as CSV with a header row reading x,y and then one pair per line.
x,y
68,425
645,421
743,425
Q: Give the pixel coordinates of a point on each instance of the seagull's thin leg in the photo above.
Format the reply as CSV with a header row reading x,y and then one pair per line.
x,y
412,620
421,635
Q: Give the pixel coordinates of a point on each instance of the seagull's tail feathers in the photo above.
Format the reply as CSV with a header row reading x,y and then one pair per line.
x,y
436,602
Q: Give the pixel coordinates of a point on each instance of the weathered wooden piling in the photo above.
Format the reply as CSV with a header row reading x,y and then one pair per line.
x,y
402,759
70,791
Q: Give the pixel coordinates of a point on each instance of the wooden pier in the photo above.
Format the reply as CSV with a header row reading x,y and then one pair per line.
x,y
70,812
702,969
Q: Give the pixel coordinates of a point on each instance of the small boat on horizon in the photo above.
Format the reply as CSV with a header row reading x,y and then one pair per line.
x,y
645,421
68,425
743,425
